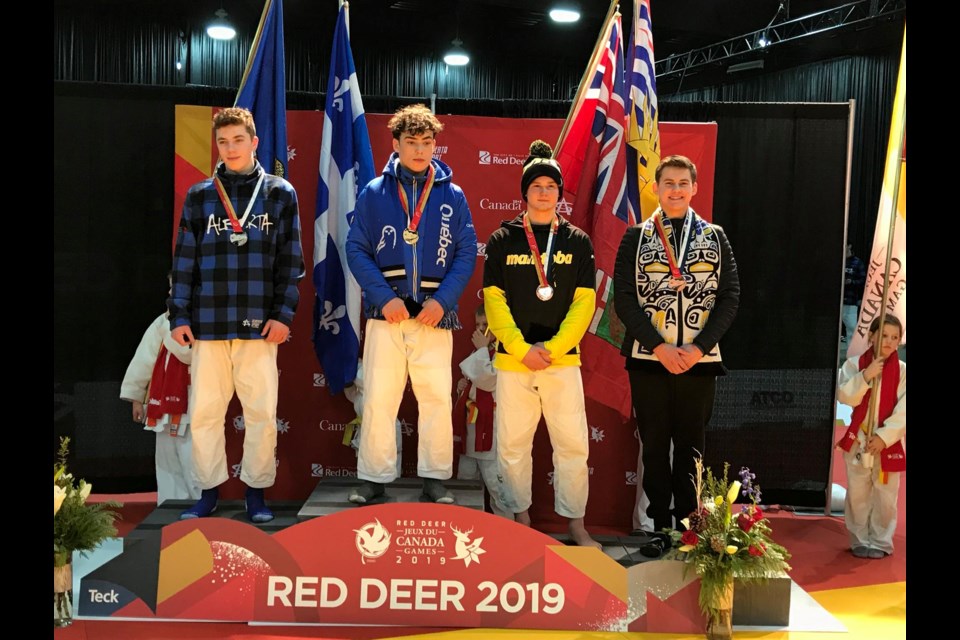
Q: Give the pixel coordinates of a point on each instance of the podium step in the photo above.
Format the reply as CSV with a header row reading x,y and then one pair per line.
x,y
286,514
331,495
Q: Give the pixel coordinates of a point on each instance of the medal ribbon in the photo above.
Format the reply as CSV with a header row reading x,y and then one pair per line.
x,y
668,246
535,252
412,224
237,224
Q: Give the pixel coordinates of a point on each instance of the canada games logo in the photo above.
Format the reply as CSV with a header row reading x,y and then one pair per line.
x,y
372,541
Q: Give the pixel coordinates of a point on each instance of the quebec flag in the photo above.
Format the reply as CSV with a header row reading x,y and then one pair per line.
x,y
346,166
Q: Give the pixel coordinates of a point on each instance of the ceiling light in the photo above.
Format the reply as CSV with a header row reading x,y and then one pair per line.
x,y
220,28
456,56
565,13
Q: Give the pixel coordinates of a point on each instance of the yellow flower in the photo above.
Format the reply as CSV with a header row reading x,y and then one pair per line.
x,y
731,549
734,490
686,547
59,494
85,490
718,500
686,523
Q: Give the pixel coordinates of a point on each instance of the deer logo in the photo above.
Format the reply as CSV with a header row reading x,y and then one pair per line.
x,y
467,550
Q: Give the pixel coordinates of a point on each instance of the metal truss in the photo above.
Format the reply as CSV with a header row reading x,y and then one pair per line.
x,y
787,31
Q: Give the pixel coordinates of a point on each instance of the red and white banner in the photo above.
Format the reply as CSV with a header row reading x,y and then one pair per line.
x,y
486,155
395,564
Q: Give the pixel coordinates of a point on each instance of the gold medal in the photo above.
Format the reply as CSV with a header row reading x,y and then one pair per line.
x,y
410,237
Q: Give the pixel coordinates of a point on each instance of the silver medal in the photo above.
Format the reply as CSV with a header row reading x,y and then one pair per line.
x,y
238,239
545,292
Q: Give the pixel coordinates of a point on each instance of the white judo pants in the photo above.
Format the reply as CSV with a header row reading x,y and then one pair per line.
x,y
557,392
174,459
219,368
390,353
486,470
870,510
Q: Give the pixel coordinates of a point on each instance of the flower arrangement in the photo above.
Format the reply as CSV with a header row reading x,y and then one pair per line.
x,y
722,542
77,526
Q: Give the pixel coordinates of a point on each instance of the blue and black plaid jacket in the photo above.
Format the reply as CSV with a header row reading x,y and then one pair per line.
x,y
225,291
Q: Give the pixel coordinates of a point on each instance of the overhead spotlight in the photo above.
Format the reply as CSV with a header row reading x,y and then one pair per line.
x,y
457,56
220,28
762,41
565,13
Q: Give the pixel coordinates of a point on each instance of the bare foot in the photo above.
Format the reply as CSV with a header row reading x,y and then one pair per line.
x,y
524,518
579,534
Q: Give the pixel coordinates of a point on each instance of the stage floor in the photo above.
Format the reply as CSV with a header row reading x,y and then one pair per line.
x,y
866,597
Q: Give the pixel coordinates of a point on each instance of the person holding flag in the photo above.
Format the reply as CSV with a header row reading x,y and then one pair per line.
x,y
677,292
873,445
412,248
538,291
236,267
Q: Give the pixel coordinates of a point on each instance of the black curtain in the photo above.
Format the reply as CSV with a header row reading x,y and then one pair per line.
x,y
113,196
779,194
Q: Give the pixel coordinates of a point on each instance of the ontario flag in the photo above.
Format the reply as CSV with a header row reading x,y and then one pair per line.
x,y
888,257
592,154
263,89
346,165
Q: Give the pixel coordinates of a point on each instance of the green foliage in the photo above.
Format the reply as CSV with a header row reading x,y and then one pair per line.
x,y
77,526
722,542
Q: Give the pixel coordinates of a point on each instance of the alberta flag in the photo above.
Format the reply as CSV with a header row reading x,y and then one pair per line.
x,y
263,89
346,166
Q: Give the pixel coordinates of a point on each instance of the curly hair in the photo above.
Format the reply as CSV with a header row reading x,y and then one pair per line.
x,y
235,115
414,120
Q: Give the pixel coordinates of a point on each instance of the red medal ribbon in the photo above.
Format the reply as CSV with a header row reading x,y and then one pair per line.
x,y
412,224
231,212
535,251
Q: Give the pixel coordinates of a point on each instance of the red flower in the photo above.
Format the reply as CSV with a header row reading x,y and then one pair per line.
x,y
745,521
757,549
757,513
689,537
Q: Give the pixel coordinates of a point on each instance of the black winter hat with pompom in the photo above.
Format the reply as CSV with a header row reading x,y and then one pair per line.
x,y
540,162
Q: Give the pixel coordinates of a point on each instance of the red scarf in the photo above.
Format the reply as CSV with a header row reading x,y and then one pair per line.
x,y
168,388
893,458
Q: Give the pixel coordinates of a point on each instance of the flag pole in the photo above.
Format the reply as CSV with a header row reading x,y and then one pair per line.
x,y
898,124
584,80
253,49
891,229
